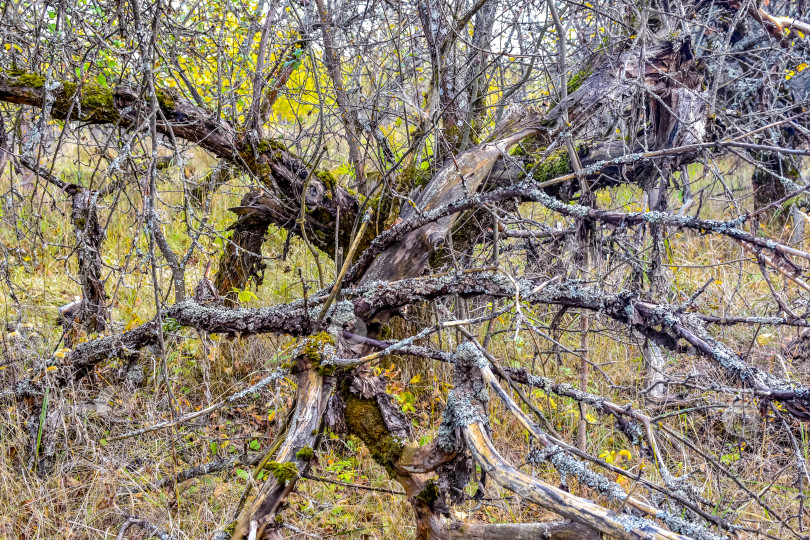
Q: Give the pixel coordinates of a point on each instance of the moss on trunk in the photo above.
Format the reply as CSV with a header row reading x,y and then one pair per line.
x,y
283,472
364,419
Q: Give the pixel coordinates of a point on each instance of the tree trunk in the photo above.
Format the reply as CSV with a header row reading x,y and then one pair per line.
x,y
768,187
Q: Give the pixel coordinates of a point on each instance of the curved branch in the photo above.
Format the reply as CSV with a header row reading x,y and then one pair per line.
x,y
312,396
280,171
569,506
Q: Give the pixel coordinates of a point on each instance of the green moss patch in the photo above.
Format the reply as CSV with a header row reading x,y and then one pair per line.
x,y
429,495
327,178
270,145
364,419
165,100
554,165
313,350
578,78
313,346
284,472
29,79
95,99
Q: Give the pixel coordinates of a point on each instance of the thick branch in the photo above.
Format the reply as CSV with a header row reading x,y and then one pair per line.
x,y
280,171
569,506
294,456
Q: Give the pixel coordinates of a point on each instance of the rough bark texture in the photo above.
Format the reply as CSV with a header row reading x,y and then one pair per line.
x,y
281,172
384,430
89,236
661,323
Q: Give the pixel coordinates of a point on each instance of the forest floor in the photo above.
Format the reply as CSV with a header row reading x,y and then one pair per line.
x,y
96,481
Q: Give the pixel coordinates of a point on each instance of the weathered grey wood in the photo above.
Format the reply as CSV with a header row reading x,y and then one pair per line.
x,y
563,503
460,177
312,396
551,530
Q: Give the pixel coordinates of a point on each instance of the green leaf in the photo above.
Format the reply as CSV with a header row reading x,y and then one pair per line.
x,y
241,473
730,458
102,80
170,324
254,445
42,416
246,296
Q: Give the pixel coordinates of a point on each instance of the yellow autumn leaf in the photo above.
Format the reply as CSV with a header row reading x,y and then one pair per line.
x,y
133,322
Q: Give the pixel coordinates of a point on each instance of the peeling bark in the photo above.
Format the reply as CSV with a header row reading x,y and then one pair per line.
x,y
312,396
459,177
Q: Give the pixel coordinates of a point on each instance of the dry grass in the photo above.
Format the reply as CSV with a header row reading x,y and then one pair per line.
x,y
94,482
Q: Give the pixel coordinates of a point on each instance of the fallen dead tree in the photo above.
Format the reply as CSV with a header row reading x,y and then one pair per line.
x,y
635,115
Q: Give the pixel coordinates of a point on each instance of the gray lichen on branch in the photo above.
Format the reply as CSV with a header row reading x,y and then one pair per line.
x,y
466,402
